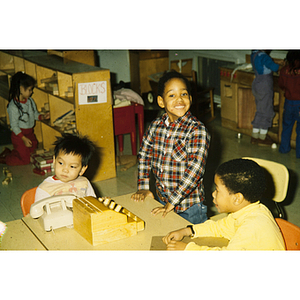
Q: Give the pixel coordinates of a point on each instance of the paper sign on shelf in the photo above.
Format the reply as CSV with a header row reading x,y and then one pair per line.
x,y
92,92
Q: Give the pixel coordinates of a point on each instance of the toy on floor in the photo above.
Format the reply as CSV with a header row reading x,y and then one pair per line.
x,y
8,177
42,161
126,161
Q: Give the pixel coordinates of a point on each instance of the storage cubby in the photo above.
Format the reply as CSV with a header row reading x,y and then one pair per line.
x,y
57,91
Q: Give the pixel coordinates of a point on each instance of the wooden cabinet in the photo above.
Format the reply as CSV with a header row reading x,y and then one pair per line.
x,y
238,103
83,88
88,57
144,63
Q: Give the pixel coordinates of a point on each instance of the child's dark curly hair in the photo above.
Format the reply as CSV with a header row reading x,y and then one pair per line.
x,y
170,75
243,176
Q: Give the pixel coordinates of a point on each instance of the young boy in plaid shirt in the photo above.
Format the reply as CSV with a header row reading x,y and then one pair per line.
x,y
175,149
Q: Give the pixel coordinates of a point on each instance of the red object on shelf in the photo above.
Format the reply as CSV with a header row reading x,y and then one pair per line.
x,y
124,122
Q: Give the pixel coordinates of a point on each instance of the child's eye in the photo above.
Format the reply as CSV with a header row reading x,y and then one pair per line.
x,y
73,167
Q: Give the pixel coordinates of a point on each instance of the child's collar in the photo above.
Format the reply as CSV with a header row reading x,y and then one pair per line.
x,y
166,118
21,101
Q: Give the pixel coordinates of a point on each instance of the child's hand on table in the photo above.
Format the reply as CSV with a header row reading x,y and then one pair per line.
x,y
164,210
175,245
173,239
141,195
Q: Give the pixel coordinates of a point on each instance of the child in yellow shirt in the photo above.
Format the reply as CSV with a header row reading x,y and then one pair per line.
x,y
240,184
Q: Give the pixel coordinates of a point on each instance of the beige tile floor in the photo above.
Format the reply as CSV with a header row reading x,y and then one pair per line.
x,y
224,146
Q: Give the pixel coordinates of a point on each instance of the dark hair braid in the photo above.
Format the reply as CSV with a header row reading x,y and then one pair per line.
x,y
17,80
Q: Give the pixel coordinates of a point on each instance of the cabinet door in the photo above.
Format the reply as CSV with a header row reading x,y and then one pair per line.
x,y
96,121
246,108
149,67
228,101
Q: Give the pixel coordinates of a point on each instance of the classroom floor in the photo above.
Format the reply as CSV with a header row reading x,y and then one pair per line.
x,y
224,146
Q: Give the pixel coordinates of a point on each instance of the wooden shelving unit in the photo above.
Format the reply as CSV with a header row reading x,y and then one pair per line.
x,y
238,103
80,87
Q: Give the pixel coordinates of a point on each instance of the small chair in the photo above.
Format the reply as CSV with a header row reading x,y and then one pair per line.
x,y
277,177
27,200
290,233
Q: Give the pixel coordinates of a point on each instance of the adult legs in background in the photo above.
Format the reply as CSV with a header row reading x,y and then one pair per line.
x,y
291,115
262,89
288,121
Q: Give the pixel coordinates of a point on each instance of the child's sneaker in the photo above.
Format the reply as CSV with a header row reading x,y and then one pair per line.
x,y
266,142
254,141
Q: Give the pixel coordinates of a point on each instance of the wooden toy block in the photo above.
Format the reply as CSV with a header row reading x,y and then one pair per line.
x,y
118,208
98,221
8,175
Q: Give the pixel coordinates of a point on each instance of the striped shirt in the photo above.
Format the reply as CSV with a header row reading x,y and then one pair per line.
x,y
176,153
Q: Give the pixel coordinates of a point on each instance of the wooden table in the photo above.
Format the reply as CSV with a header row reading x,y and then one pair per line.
x,y
149,239
155,226
68,239
19,237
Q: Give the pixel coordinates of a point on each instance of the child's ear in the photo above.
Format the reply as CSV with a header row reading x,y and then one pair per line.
x,y
238,199
83,169
160,102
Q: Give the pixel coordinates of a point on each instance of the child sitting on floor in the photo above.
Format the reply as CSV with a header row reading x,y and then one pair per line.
x,y
240,184
71,157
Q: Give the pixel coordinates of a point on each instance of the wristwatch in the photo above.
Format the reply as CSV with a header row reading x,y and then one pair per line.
x,y
193,232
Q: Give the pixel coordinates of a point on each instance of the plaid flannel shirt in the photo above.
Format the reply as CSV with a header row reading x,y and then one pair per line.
x,y
176,153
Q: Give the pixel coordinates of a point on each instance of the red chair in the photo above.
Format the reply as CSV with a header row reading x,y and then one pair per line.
x,y
124,122
26,200
290,233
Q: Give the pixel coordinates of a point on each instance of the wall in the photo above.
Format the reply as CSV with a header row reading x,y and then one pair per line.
x,y
117,61
235,56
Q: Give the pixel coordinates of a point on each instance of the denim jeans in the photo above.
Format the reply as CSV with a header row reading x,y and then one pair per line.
x,y
195,214
291,115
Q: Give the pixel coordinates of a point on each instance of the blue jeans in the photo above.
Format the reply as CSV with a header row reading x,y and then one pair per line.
x,y
195,214
291,115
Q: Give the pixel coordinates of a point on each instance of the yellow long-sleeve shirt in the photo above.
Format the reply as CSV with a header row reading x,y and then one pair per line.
x,y
251,228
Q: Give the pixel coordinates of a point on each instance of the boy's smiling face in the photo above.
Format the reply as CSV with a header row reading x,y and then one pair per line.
x,y
176,99
68,167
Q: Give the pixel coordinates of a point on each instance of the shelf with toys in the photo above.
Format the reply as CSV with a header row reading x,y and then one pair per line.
x,y
79,91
